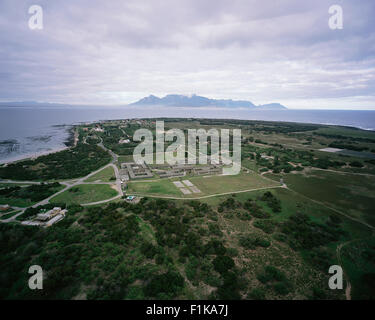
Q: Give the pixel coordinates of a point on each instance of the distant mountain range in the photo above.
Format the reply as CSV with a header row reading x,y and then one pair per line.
x,y
176,100
173,100
29,104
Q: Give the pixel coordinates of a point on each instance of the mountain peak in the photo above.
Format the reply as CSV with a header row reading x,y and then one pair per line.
x,y
178,100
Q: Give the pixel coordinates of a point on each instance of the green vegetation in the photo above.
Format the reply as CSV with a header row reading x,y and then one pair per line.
x,y
25,196
85,193
9,215
352,194
250,242
358,259
113,134
273,240
105,175
209,185
67,164
275,278
161,187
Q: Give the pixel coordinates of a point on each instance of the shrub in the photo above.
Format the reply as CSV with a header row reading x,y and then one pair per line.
x,y
223,263
257,294
251,242
266,225
169,284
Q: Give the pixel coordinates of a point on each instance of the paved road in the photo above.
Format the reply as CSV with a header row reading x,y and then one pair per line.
x,y
19,182
72,183
22,210
114,166
82,180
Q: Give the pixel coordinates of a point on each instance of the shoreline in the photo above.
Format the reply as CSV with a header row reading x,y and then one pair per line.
x,y
32,156
72,138
70,142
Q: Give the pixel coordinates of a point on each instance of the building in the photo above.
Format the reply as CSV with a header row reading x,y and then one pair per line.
x,y
55,219
50,217
135,171
124,176
4,207
123,141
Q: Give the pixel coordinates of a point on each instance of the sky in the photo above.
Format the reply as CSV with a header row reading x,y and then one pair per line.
x,y
118,51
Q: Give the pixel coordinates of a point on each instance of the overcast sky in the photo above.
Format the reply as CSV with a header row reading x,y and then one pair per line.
x,y
117,51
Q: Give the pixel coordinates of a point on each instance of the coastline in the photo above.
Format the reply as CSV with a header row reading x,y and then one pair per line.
x,y
70,142
31,156
72,138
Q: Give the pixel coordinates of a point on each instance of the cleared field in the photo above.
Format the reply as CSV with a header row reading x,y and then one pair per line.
x,y
208,185
85,193
104,176
162,187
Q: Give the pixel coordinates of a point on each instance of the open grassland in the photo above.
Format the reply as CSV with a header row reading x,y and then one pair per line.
x,y
292,203
85,193
346,131
104,175
351,194
208,185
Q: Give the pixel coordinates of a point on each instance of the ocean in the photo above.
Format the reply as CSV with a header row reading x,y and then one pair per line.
x,y
30,131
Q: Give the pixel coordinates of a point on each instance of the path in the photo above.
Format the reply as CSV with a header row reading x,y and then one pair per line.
x,y
19,182
70,184
101,202
205,197
339,260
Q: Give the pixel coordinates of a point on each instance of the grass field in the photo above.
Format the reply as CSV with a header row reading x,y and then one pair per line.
x,y
353,195
208,185
104,175
85,193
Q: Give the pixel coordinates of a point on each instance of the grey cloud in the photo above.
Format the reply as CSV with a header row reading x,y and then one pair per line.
x,y
93,51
